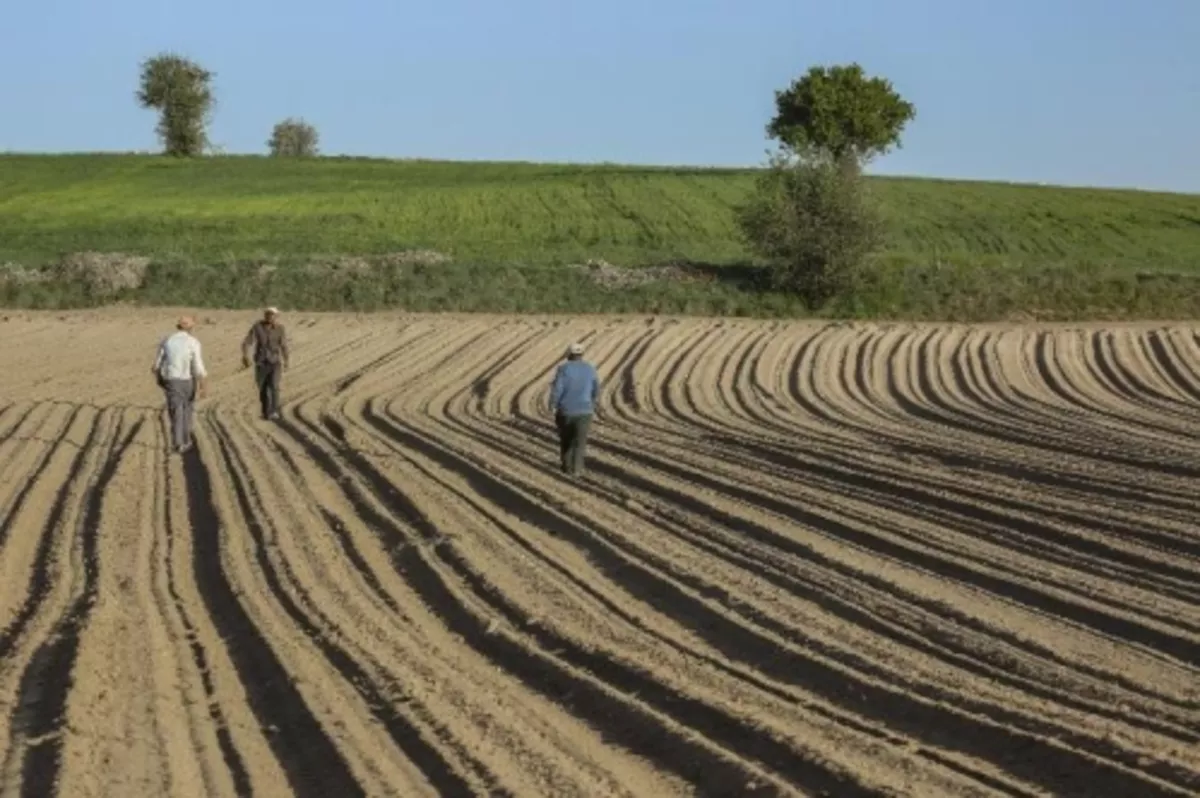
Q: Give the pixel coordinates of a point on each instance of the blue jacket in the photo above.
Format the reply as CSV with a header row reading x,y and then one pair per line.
x,y
576,388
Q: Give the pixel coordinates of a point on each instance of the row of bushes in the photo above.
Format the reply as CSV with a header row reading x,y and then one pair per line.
x,y
429,281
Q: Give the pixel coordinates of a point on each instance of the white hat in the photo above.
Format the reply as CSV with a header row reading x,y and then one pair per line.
x,y
274,310
575,349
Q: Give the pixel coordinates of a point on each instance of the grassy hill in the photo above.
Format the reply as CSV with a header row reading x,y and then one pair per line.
x,y
516,220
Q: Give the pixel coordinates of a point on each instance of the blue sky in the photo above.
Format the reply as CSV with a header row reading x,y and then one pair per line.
x,y
1085,92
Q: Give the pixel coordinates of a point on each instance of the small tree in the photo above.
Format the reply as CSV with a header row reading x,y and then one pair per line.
x,y
293,138
181,91
811,217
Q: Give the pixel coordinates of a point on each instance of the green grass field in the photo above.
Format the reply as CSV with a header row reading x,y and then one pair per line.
x,y
516,222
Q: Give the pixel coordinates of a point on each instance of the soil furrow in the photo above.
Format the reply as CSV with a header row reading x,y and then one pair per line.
x,y
311,761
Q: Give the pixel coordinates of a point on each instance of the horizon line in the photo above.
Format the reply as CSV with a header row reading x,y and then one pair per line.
x,y
621,165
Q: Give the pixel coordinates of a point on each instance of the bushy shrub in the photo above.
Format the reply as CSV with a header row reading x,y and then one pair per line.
x,y
293,138
814,223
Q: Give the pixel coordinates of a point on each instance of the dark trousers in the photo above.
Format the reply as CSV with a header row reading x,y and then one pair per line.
x,y
181,404
572,440
267,376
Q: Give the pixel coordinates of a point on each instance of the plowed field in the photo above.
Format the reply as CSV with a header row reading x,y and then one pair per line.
x,y
814,559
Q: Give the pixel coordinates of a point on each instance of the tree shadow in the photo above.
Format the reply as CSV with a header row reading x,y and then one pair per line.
x,y
749,278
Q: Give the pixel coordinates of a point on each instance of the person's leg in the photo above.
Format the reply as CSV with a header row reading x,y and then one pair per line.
x,y
172,410
262,380
276,379
177,396
582,425
572,424
189,413
564,440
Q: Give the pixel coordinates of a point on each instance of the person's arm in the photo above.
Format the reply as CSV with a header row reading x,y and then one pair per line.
x,y
284,352
199,372
159,355
556,389
247,345
595,386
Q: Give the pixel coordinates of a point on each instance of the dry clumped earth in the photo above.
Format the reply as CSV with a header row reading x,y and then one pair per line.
x,y
807,559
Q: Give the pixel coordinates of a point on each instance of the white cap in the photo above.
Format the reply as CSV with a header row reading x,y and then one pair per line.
x,y
575,349
273,310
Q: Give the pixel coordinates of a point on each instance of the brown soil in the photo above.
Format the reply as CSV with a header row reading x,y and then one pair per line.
x,y
805,559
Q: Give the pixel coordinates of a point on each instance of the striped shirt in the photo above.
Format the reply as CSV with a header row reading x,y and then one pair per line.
x,y
179,357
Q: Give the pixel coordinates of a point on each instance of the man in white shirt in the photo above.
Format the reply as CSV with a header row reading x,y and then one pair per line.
x,y
179,370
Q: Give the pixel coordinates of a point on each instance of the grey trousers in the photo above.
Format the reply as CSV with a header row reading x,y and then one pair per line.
x,y
267,376
181,405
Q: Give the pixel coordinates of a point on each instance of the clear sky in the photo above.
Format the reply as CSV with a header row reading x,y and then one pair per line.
x,y
1086,92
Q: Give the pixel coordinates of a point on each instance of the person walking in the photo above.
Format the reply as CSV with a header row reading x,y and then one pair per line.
x,y
179,370
573,396
268,342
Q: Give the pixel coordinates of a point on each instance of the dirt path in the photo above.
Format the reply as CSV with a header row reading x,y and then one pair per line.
x,y
806,559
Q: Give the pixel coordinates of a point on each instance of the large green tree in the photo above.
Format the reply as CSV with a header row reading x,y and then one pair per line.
x,y
181,91
811,217
840,113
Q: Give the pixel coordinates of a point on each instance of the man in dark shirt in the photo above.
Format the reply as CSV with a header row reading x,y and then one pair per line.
x,y
268,343
573,396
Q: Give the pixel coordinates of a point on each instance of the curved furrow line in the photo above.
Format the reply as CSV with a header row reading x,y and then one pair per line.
x,y
62,499
616,565
908,548
839,397
464,723
1141,355
20,446
840,678
1164,351
399,348
807,393
31,468
310,761
337,526
731,732
555,752
1125,355
1046,422
37,723
226,772
598,690
383,618
1017,526
318,606
111,722
742,676
804,557
1086,365
1002,519
13,420
1061,382
1085,439
1149,412
1189,575
465,338
641,437
947,483
506,446
641,434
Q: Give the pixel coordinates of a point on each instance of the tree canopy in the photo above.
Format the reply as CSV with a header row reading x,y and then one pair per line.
x,y
181,91
839,111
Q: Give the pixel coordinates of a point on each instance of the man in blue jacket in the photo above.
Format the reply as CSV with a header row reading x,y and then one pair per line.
x,y
573,398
